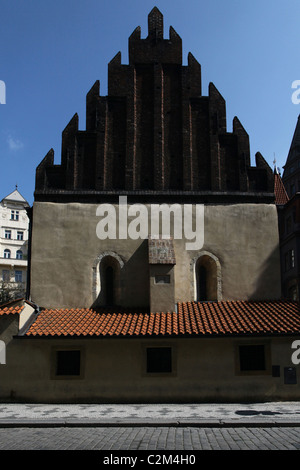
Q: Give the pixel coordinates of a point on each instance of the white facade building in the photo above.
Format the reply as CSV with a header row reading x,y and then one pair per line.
x,y
14,228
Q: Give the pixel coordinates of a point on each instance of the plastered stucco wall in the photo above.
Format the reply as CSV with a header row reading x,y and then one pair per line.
x,y
114,370
243,238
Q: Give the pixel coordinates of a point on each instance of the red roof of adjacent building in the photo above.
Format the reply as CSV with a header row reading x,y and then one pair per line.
x,y
192,319
281,196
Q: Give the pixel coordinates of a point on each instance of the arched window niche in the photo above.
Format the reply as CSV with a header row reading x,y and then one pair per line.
x,y
106,279
206,277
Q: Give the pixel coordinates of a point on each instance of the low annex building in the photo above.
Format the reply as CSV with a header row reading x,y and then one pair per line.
x,y
212,351
122,314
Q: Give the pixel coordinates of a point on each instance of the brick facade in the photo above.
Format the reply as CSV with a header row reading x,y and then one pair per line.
x,y
154,134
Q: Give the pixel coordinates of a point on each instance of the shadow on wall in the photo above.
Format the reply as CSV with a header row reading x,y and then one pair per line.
x,y
268,286
127,285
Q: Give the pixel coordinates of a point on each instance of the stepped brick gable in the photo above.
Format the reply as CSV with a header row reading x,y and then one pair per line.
x,y
154,133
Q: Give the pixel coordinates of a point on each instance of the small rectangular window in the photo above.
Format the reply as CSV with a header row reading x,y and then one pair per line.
x,y
14,215
7,234
159,360
292,258
18,276
68,362
19,235
5,275
252,357
162,279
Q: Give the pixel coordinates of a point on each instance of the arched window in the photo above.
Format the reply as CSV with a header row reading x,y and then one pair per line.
x,y
202,283
7,253
19,254
107,284
109,280
207,278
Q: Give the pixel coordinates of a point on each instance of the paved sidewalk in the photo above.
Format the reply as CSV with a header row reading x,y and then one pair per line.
x,y
205,415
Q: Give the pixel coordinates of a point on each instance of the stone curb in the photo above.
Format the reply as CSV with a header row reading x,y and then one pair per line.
x,y
205,423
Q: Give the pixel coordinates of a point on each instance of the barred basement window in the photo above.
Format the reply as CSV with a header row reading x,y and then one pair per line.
x,y
159,360
68,362
252,357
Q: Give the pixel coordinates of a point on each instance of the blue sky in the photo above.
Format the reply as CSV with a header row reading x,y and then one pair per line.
x,y
52,52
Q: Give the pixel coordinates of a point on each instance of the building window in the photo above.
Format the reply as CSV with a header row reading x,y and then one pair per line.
x,y
207,278
109,281
292,256
289,260
5,275
7,234
18,276
20,235
252,358
7,253
202,284
109,284
162,279
67,363
159,360
14,215
19,254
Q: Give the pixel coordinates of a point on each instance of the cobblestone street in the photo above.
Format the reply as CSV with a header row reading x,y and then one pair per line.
x,y
150,438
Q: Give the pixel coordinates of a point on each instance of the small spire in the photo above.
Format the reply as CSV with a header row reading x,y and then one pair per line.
x,y
274,164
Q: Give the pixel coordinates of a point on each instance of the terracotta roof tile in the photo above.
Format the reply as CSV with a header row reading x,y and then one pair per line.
x,y
191,319
11,310
281,196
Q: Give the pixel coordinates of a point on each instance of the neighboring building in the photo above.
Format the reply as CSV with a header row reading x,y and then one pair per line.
x,y
114,316
13,245
291,174
289,225
289,220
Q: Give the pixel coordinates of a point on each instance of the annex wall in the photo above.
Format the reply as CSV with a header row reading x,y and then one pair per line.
x,y
202,370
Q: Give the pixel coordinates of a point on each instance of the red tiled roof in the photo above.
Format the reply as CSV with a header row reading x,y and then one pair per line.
x,y
192,319
11,310
281,196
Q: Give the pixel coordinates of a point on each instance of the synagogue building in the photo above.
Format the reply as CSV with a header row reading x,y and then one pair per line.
x,y
155,269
